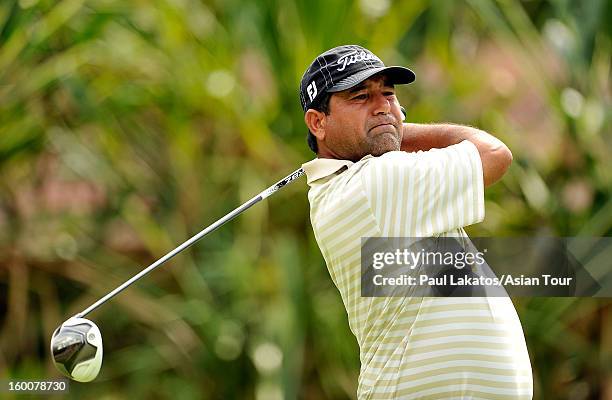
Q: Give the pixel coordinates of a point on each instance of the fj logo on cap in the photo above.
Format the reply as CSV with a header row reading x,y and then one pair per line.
x,y
312,90
353,57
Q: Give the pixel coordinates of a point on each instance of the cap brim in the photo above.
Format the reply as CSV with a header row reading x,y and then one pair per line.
x,y
397,75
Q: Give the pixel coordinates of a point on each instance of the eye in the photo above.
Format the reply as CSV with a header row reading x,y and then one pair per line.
x,y
362,96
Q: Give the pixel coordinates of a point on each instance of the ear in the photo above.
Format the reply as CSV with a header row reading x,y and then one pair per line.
x,y
315,120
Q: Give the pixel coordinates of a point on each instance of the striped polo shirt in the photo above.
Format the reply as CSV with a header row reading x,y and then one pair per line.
x,y
416,347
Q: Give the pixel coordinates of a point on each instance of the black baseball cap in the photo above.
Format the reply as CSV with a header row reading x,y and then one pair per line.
x,y
342,68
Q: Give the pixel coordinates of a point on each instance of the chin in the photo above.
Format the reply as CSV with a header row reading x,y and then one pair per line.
x,y
385,146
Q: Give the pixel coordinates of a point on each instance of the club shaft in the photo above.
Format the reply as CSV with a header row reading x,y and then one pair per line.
x,y
228,217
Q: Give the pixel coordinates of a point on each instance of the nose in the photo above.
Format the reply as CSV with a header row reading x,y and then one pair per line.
x,y
382,105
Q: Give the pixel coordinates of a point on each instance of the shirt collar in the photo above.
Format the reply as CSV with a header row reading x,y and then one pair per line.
x,y
320,168
323,167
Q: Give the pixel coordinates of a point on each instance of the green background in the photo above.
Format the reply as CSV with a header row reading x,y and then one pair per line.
x,y
128,126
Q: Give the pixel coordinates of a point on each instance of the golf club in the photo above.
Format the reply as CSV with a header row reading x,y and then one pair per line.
x,y
76,345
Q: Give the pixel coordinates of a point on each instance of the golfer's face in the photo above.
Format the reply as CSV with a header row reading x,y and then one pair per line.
x,y
364,120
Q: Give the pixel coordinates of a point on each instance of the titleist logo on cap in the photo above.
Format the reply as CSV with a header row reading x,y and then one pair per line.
x,y
353,57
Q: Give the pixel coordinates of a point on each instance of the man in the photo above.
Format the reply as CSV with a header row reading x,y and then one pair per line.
x,y
375,176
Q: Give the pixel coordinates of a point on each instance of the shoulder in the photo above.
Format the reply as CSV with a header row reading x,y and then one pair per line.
x,y
402,167
434,158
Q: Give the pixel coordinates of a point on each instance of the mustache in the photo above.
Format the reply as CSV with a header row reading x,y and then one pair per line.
x,y
389,119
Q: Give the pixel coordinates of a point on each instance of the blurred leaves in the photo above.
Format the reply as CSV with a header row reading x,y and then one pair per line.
x,y
126,127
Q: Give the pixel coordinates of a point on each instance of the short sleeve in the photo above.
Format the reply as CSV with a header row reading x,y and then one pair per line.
x,y
427,192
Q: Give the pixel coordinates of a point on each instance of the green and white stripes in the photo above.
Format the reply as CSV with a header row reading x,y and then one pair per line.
x,y
413,347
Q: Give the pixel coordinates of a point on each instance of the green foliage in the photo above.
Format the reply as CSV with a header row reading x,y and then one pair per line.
x,y
127,126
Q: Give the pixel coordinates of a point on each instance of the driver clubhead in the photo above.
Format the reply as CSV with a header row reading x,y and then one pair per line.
x,y
76,347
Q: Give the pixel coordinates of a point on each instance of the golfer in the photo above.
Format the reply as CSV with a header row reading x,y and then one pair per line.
x,y
375,176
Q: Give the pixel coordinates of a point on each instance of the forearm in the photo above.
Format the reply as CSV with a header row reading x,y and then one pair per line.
x,y
429,136
494,154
